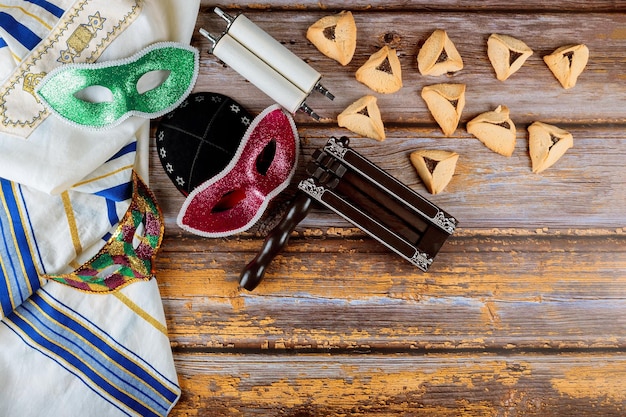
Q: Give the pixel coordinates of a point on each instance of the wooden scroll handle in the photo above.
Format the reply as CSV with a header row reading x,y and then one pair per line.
x,y
277,239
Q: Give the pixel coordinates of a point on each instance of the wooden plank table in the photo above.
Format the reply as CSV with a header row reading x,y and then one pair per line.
x,y
523,312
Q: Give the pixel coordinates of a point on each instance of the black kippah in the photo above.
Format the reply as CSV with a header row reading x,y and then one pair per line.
x,y
200,137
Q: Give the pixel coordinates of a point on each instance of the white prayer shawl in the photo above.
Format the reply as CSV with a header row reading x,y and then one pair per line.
x,y
63,191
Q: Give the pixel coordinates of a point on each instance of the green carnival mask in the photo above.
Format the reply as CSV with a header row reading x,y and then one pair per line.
x,y
61,89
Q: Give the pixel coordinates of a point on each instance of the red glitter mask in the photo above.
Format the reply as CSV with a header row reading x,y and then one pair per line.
x,y
235,199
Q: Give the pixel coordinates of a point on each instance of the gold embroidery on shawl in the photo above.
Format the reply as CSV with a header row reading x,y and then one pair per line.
x,y
82,35
31,81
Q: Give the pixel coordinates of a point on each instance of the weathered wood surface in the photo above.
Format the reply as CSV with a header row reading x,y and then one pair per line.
x,y
523,312
577,6
439,385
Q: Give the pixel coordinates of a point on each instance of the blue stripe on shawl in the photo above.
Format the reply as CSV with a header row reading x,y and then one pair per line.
x,y
30,328
85,322
117,193
49,356
21,33
112,212
46,5
131,147
18,272
98,358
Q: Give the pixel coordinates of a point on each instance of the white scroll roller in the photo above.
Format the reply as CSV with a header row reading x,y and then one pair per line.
x,y
266,63
275,54
264,77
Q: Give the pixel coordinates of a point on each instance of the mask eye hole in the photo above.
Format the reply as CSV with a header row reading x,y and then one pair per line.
x,y
151,80
265,158
95,94
229,200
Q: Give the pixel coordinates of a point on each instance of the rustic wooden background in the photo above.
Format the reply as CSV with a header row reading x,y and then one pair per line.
x,y
523,312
